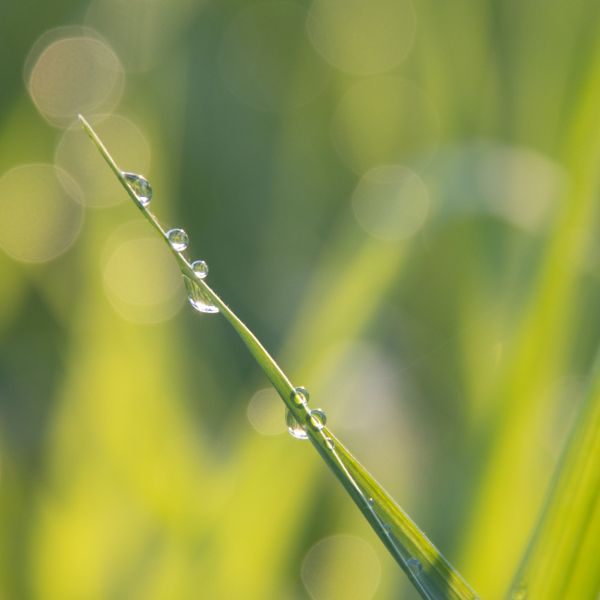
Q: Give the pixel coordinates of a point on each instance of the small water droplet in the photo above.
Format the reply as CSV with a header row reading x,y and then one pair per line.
x,y
198,298
414,564
200,268
520,592
318,418
329,443
178,239
300,395
140,186
371,501
295,428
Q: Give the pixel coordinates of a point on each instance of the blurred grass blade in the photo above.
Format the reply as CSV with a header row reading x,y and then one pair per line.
x,y
563,559
427,569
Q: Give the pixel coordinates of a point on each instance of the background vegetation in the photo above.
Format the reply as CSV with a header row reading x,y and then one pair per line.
x,y
400,199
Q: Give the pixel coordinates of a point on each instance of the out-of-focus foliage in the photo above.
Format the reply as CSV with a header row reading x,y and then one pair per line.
x,y
399,198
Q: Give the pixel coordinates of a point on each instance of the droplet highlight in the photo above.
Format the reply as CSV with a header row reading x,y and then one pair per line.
x,y
318,418
329,443
300,396
178,239
520,593
295,428
199,298
200,268
140,186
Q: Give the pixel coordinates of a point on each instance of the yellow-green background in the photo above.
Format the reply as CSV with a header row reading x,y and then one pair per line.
x,y
450,358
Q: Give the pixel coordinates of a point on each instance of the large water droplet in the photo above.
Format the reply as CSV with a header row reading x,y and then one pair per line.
x,y
300,395
200,268
295,428
318,418
198,297
414,564
178,239
140,186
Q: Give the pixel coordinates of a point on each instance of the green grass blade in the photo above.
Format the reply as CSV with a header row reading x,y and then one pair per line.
x,y
562,559
425,566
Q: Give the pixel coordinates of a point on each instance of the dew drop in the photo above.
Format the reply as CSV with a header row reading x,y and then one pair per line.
x,y
414,564
300,395
198,298
178,239
200,268
140,186
371,502
329,443
318,418
295,428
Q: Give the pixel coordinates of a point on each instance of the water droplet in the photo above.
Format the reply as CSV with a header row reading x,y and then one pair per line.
x,y
198,297
200,268
329,443
140,186
520,592
300,395
295,429
371,501
318,418
178,239
414,565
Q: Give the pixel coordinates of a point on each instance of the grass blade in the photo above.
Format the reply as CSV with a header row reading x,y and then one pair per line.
x,y
562,559
425,566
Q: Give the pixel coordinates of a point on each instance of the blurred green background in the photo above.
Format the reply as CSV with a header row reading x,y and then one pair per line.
x,y
398,197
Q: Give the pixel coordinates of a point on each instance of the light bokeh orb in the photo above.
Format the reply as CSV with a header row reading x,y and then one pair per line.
x,y
362,38
390,203
40,212
71,70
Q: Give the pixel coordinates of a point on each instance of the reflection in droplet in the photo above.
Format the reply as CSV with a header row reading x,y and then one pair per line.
x,y
178,239
199,298
80,158
318,418
390,203
326,566
70,71
140,186
40,212
200,268
266,412
384,120
300,395
266,59
141,279
295,428
361,37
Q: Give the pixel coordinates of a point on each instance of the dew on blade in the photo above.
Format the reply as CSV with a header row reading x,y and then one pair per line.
x,y
295,428
140,186
198,298
200,268
318,418
178,239
329,443
414,565
300,395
